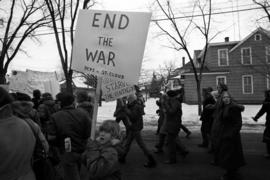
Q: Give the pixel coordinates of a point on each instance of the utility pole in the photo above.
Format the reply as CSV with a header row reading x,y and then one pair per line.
x,y
238,19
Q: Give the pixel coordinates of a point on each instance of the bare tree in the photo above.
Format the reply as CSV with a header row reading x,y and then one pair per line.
x,y
64,30
20,19
166,71
263,67
178,33
264,4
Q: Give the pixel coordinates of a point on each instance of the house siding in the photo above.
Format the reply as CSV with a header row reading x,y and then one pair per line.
x,y
234,82
258,69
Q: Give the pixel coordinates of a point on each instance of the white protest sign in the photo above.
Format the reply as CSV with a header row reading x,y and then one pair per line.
x,y
30,80
18,82
113,89
110,43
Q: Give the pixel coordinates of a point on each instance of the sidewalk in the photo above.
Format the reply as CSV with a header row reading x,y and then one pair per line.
x,y
196,166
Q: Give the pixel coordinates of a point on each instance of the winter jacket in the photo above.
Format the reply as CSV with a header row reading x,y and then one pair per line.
x,y
88,107
229,149
24,110
207,114
101,161
72,123
17,144
135,112
172,113
265,109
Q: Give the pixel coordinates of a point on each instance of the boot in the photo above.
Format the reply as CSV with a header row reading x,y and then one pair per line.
x,y
151,162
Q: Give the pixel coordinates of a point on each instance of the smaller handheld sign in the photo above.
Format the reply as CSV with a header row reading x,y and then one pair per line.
x,y
113,89
110,44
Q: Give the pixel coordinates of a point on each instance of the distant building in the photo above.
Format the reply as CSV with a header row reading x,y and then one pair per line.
x,y
242,65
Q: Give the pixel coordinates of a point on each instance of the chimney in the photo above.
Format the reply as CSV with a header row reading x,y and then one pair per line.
x,y
183,61
227,39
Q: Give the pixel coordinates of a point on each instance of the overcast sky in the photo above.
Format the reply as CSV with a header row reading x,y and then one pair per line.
x,y
45,57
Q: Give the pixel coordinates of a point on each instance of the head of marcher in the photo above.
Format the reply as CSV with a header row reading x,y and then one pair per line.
x,y
37,94
66,100
226,98
81,96
108,130
222,87
207,92
131,98
5,98
46,98
23,106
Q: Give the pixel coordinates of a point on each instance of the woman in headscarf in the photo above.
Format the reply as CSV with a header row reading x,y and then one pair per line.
x,y
229,151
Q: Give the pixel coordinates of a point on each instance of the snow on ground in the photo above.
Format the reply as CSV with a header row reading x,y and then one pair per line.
x,y
190,116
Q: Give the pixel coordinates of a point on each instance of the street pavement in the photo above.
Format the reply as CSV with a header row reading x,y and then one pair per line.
x,y
196,166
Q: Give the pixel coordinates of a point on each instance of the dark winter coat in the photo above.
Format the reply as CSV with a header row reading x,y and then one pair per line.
x,y
73,123
101,161
88,107
229,149
216,125
172,112
17,144
135,112
207,114
265,109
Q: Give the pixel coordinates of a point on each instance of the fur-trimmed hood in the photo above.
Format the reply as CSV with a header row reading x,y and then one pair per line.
x,y
23,109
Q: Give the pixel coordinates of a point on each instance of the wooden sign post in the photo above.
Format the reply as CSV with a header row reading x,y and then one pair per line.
x,y
96,103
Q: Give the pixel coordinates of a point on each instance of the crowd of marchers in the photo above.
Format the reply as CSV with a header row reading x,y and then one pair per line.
x,y
48,138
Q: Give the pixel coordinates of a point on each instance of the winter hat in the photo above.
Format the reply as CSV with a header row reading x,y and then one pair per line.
x,y
66,99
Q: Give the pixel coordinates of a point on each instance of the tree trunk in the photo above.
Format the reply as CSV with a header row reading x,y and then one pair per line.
x,y
69,87
199,97
2,78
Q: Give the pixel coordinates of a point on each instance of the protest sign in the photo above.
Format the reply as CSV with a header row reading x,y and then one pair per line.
x,y
27,82
110,44
113,89
18,82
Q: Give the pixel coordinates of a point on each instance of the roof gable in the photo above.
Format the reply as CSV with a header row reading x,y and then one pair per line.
x,y
261,30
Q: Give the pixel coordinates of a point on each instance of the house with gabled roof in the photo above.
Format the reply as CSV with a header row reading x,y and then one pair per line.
x,y
242,65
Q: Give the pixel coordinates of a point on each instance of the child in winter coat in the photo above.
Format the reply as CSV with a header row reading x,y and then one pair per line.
x,y
101,155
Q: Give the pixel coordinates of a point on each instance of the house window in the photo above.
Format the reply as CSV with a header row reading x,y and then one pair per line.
x,y
221,79
223,57
247,84
267,54
258,37
246,55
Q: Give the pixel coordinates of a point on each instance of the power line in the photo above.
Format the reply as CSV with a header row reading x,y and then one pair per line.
x,y
214,13
166,19
212,8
